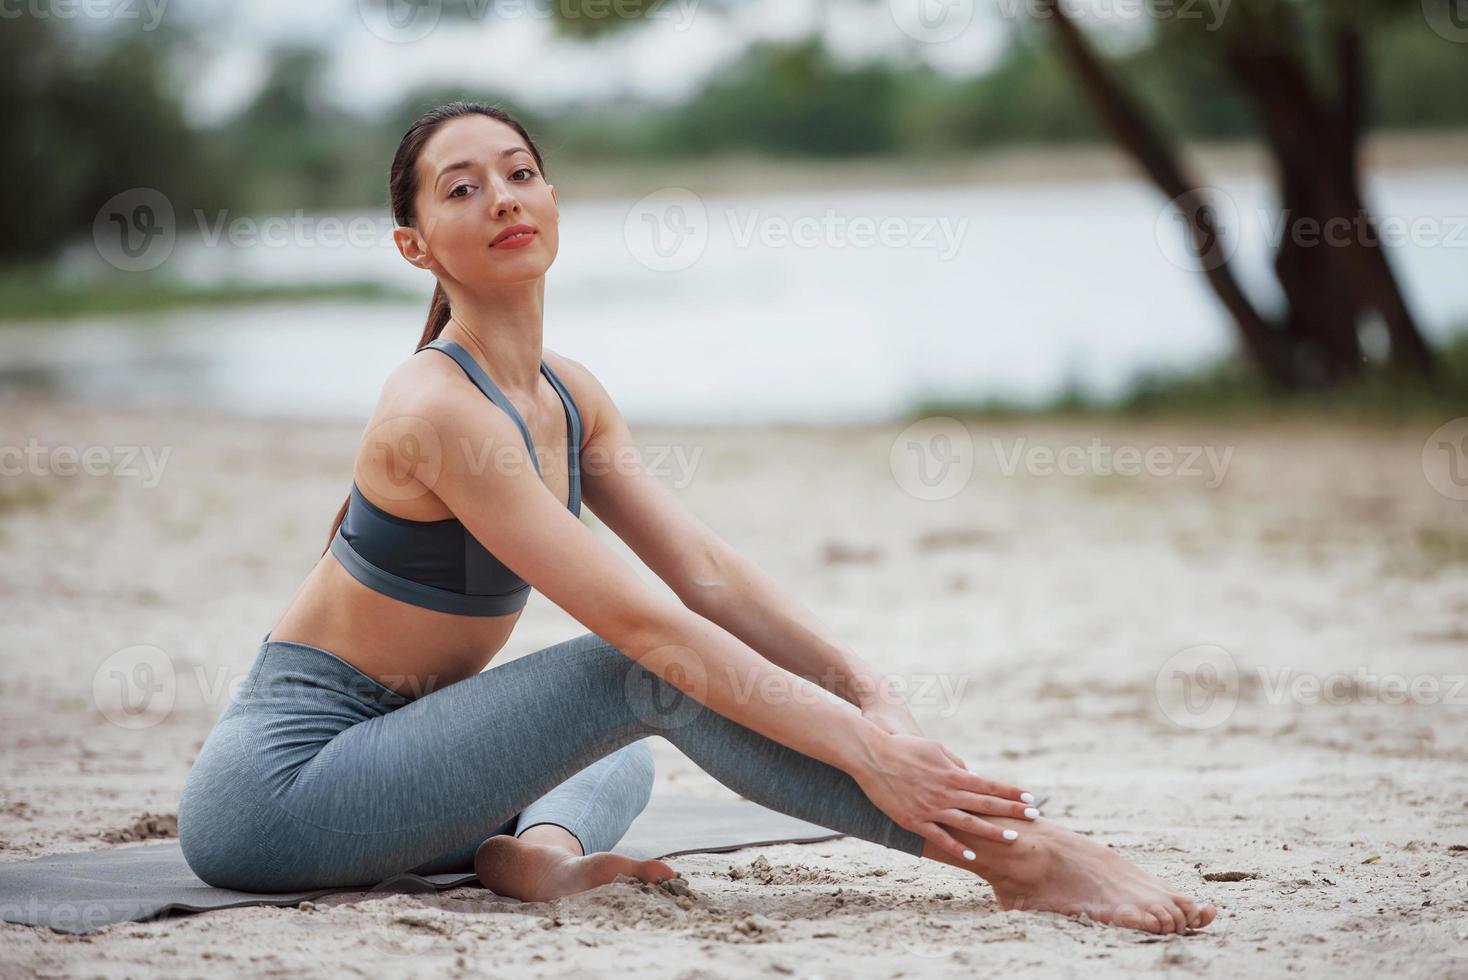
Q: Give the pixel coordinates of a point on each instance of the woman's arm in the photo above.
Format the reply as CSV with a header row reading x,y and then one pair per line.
x,y
704,571
476,463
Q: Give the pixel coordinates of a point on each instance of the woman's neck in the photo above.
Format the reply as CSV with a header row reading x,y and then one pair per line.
x,y
506,339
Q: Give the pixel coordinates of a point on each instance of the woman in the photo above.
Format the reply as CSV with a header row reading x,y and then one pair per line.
x,y
368,739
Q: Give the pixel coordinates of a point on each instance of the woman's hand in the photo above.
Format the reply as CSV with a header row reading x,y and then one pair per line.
x,y
925,788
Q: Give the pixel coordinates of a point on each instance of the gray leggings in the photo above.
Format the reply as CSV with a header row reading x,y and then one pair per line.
x,y
316,775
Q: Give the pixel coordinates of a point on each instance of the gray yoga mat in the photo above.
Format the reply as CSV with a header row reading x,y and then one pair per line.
x,y
84,891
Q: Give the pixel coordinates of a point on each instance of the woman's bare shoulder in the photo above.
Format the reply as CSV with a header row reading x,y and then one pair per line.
x,y
591,398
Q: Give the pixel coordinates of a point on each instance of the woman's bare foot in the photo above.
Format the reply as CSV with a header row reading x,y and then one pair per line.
x,y
1051,869
533,872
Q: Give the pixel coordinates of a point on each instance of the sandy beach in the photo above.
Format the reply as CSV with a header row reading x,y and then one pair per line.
x,y
1047,619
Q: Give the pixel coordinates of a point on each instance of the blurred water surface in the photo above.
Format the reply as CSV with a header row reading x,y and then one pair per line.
x,y
785,314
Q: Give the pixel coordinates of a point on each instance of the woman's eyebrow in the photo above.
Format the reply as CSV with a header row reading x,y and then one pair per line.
x,y
466,164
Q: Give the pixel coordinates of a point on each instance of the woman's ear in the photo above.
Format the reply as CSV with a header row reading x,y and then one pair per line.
x,y
412,246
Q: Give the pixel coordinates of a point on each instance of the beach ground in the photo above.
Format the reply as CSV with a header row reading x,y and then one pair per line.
x,y
1052,622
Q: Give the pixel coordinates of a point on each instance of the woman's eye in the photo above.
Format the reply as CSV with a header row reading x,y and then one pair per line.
x,y
524,170
454,191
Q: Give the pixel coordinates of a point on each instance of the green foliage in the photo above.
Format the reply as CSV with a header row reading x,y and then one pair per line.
x,y
84,118
90,113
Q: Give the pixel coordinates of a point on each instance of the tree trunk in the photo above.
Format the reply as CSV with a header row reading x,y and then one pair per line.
x,y
1266,343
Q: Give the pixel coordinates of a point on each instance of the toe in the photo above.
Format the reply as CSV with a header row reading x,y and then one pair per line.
x,y
1132,917
1206,915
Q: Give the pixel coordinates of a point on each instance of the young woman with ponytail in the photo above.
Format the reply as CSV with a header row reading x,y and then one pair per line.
x,y
368,739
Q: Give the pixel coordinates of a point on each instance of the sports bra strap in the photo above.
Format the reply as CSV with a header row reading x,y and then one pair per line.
x,y
486,384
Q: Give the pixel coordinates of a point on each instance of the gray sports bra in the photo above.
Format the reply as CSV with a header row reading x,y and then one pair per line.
x,y
439,564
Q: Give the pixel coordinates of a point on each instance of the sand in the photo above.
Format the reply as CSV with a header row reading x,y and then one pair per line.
x,y
1038,620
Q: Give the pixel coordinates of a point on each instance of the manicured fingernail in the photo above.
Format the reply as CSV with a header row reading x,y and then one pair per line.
x,y
1031,812
969,855
1011,835
1027,797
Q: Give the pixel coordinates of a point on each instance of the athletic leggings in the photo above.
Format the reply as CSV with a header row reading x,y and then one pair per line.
x,y
316,775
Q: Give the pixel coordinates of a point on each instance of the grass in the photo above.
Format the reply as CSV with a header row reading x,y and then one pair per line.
x,y
32,297
1231,390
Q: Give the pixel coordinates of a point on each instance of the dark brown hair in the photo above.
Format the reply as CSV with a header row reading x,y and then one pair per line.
x,y
402,183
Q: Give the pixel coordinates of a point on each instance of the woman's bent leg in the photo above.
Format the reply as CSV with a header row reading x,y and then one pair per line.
x,y
599,803
596,806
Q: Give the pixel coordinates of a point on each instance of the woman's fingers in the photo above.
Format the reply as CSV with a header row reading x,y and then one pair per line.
x,y
963,820
993,806
975,783
943,840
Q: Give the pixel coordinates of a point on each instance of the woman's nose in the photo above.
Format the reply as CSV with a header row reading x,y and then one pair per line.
x,y
503,201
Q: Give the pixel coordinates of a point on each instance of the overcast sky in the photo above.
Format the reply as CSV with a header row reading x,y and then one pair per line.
x,y
373,62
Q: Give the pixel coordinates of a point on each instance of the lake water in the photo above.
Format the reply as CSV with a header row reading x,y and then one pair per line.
x,y
760,307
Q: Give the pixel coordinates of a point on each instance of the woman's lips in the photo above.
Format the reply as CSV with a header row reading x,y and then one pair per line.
x,y
518,240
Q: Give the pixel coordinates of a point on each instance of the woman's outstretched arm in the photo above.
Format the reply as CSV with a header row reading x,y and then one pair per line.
x,y
707,573
476,463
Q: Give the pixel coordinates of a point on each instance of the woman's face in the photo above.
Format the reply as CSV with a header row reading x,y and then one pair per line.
x,y
477,178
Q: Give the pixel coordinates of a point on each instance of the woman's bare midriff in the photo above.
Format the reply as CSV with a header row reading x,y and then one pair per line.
x,y
404,647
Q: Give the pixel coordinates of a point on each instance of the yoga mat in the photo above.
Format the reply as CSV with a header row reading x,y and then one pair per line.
x,y
84,891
